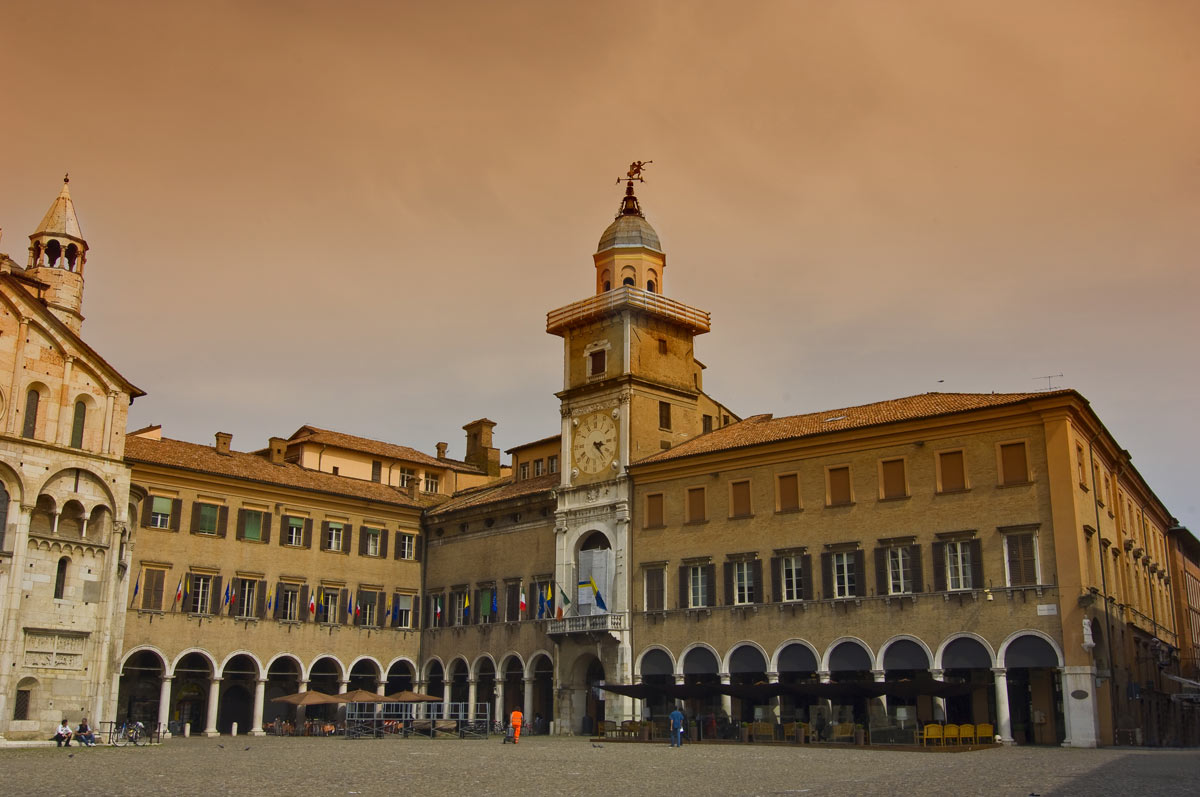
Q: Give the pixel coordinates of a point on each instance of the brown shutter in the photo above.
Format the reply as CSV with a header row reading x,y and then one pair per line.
x,y
776,579
806,576
262,599
383,541
740,493
839,486
147,505
397,547
324,535
789,492
654,511
976,564
1014,464
475,614
881,574
222,520
215,597
1016,575
727,575
826,575
953,473
303,602
695,505
266,527
362,540
414,620
939,567
240,533
759,592
284,524
276,611
308,532
195,525
655,578
860,573
710,575
684,586
176,511
347,537
893,479
917,570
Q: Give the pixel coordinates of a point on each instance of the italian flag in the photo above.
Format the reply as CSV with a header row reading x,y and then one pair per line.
x,y
522,601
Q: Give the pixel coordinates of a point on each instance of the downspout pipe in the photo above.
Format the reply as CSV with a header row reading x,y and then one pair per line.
x,y
1112,664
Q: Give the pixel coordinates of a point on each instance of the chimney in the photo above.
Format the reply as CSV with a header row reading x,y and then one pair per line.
x,y
278,449
441,449
414,486
223,441
480,451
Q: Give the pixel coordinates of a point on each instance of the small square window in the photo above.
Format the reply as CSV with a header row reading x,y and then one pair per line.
x,y
892,479
538,467
739,499
1014,466
253,520
552,463
160,512
696,512
295,532
597,363
524,470
654,511
206,519
664,415
788,495
662,345
839,486
408,547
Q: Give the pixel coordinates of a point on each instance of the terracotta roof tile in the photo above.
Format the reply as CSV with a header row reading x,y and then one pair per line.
x,y
313,434
503,490
760,429
252,467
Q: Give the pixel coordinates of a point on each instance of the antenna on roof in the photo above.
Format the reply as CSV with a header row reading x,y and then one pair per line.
x,y
1049,378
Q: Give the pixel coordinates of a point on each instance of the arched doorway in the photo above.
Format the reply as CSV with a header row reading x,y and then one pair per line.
x,y
514,686
324,676
748,667
657,670
543,693
435,686
140,687
594,564
283,678
593,713
849,664
967,661
485,689
906,663
460,689
364,675
237,694
701,668
1035,698
797,666
400,678
189,691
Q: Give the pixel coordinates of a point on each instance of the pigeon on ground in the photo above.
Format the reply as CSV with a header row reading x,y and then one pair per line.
x,y
221,746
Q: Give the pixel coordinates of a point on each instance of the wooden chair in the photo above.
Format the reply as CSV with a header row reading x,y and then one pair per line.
x,y
932,732
762,731
966,732
950,733
985,733
631,729
843,732
789,731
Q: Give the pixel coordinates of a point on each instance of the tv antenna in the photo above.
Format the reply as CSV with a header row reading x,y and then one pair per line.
x,y
1049,380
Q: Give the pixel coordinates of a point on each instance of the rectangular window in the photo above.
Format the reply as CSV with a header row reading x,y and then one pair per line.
x,y
294,534
483,604
791,572
655,584
512,601
899,571
743,583
201,594
406,475
662,345
664,415
1014,468
845,577
596,363
160,513
706,423
21,704
892,481
739,499
333,536
958,565
524,470
654,511
952,476
244,593
698,586
537,467
376,471
1080,468
458,607
1021,550
695,505
787,493
404,611
329,609
152,591
253,524
289,602
432,481
407,546
839,485
370,541
552,463
368,612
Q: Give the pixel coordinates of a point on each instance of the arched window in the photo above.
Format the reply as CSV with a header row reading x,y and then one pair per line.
x,y
627,281
60,580
650,286
53,252
31,410
607,285
77,425
72,253
37,254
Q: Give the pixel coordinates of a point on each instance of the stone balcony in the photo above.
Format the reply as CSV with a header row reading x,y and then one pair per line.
x,y
587,624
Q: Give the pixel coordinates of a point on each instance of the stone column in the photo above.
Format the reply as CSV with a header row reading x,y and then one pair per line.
x,y
1081,714
302,711
880,677
527,710
381,688
109,406
260,691
66,413
726,700
343,687
446,682
1003,722
500,687
164,705
472,695
214,697
773,678
939,703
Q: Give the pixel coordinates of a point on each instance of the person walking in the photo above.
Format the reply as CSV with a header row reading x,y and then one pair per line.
x,y
677,720
515,720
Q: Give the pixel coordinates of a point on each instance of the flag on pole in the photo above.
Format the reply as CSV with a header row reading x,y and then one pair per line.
x,y
137,584
226,601
466,607
357,609
186,592
437,609
349,606
523,600
179,590
495,606
541,603
599,598
270,596
316,604
396,610
566,602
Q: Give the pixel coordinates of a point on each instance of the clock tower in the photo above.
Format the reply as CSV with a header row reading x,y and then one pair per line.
x,y
631,388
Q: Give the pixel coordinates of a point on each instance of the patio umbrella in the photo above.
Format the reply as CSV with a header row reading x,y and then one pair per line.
x,y
309,698
362,696
413,697
639,691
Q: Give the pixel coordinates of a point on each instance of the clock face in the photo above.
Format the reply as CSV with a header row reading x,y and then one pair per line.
x,y
595,443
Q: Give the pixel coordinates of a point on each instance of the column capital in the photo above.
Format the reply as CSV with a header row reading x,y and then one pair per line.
x,y
216,679
938,674
999,671
261,680
168,678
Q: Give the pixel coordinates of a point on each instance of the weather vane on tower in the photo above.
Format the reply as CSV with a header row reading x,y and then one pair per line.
x,y
635,172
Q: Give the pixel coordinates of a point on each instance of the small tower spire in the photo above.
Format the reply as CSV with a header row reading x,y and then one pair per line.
x,y
57,254
629,253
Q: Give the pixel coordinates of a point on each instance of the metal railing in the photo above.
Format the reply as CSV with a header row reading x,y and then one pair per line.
x,y
628,297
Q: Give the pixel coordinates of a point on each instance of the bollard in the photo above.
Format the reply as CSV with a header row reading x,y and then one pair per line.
x,y
187,730
233,729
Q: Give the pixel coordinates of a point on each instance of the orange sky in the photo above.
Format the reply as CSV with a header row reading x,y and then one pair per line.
x,y
357,214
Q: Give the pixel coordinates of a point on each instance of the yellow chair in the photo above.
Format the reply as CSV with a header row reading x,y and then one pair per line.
x,y
950,733
843,732
762,731
985,733
789,730
966,733
930,733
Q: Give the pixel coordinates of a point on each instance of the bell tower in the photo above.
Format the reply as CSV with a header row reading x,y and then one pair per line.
x,y
57,254
629,253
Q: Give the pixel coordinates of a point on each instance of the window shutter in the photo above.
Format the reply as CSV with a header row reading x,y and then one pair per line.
x,y
276,611
284,524
759,592
976,564
304,602
396,545
381,606
240,533
324,541
308,532
1012,460
415,619
222,520
789,492
147,504
740,493
684,586
176,511
710,576
881,574
953,475
383,541
417,540
266,527
347,534
826,575
215,597
262,600
916,569
696,505
776,579
939,567
654,511
727,574
195,517
839,486
806,576
476,614
362,540
893,479
860,573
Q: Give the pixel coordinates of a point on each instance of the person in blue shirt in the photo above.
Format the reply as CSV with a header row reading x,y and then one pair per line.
x,y
677,720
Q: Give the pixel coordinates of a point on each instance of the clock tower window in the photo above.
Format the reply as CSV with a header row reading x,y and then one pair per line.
x,y
597,363
664,415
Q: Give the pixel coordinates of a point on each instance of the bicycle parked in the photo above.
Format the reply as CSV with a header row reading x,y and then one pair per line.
x,y
128,733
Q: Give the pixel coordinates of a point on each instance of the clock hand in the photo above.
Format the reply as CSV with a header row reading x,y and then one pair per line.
x,y
599,446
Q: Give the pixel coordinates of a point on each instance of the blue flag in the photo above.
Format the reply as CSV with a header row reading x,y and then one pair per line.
x,y
495,607
226,603
541,604
396,610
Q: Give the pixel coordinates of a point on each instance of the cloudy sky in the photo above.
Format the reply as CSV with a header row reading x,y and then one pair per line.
x,y
357,214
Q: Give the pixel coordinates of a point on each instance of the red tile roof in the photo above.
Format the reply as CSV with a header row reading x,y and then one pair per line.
x,y
503,490
760,429
313,434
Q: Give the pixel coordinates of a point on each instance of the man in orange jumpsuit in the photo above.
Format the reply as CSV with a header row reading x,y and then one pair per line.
x,y
515,719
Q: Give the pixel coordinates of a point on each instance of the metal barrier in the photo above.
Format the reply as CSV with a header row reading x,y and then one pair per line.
x,y
418,720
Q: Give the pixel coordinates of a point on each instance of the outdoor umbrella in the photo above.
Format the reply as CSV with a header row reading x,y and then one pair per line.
x,y
413,697
639,691
362,696
309,698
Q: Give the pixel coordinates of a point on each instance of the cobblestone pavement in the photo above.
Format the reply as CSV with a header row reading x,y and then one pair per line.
x,y
561,765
